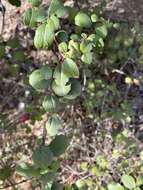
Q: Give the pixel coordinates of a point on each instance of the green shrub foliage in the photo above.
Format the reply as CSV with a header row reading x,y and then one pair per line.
x,y
61,79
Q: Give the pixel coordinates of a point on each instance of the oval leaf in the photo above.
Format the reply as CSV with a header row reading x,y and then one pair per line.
x,y
39,79
47,178
27,170
44,36
42,156
63,47
55,21
50,103
53,125
57,7
128,181
83,20
5,173
60,77
56,186
70,68
102,31
16,3
75,90
116,186
59,145
32,16
61,90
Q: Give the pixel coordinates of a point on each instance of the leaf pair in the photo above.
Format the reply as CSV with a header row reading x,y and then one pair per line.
x,y
62,74
43,158
45,33
51,104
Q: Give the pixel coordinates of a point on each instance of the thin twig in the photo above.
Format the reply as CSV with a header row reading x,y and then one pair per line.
x,y
23,181
44,136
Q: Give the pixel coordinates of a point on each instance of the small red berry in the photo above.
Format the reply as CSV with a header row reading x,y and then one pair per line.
x,y
24,117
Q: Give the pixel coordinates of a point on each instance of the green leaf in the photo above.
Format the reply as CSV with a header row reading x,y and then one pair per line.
x,y
32,16
13,43
87,57
60,86
35,3
75,90
56,186
101,31
2,51
27,170
51,25
74,50
42,156
70,68
137,188
53,125
57,7
74,45
5,173
14,69
59,145
91,37
51,103
61,90
47,186
81,184
139,180
83,20
44,36
27,18
55,165
16,3
94,18
102,161
63,47
59,76
18,55
48,177
68,187
128,181
55,21
75,37
40,78
115,186
46,72
86,47
72,12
